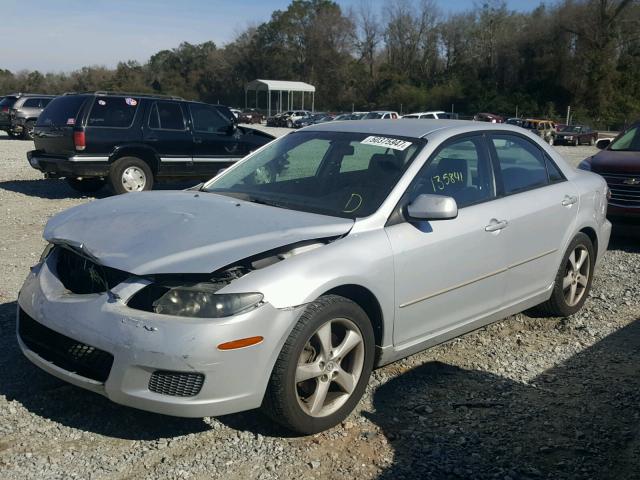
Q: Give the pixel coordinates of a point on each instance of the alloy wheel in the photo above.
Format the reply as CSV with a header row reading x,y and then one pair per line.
x,y
134,179
576,279
329,367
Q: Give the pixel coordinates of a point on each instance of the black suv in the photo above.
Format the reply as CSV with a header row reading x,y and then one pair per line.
x,y
130,140
20,111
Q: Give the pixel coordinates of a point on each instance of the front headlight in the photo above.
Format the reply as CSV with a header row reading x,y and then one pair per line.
x,y
202,301
568,137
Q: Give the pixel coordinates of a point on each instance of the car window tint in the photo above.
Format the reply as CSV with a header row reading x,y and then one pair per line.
x,y
32,103
61,111
461,170
44,102
522,164
166,116
304,160
555,175
117,112
207,119
630,140
359,159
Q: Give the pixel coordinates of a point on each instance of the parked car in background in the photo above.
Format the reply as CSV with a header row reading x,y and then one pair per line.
x,y
297,115
250,116
543,128
351,116
130,141
488,117
19,113
619,164
278,120
576,135
312,120
236,112
381,115
285,280
438,114
514,121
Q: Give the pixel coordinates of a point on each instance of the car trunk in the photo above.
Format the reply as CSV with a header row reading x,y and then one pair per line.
x,y
6,105
54,132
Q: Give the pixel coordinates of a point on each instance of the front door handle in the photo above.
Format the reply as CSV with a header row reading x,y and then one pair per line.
x,y
569,200
496,225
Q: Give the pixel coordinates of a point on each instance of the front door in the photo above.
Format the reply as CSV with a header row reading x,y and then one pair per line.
x,y
450,272
216,142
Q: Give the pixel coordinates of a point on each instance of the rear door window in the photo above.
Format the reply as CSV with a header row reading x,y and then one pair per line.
x,y
522,164
166,116
31,103
113,112
61,110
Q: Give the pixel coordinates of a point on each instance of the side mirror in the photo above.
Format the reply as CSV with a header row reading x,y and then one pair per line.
x,y
603,143
432,207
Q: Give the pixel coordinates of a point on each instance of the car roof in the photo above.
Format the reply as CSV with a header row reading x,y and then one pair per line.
x,y
413,128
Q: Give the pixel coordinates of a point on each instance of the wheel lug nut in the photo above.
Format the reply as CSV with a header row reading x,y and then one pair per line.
x,y
324,378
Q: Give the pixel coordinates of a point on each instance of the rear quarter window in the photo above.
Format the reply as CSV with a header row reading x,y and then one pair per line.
x,y
61,111
113,112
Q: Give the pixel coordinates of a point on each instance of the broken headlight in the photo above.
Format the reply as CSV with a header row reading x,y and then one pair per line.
x,y
202,301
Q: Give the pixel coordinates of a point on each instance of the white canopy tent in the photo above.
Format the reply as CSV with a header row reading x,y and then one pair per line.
x,y
279,87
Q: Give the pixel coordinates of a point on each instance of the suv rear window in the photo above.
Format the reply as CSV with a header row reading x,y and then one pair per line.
x,y
8,101
32,103
61,111
114,112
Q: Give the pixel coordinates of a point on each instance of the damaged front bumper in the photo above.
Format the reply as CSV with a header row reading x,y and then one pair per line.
x,y
155,358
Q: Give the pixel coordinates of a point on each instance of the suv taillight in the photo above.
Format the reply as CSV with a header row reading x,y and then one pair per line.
x,y
79,140
5,109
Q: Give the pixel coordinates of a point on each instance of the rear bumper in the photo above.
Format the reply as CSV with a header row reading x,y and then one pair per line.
x,y
72,166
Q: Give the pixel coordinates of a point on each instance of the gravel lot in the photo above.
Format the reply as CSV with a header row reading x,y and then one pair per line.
x,y
523,398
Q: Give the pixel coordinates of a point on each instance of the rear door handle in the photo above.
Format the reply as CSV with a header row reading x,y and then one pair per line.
x,y
496,225
569,200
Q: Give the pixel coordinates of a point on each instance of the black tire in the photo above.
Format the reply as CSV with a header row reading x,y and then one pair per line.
x,y
281,402
289,124
576,142
119,168
14,135
557,305
86,185
27,130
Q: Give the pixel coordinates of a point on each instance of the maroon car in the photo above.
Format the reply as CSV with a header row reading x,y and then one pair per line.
x,y
575,135
619,164
488,117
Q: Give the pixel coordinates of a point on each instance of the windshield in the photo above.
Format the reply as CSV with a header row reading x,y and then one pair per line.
x,y
333,173
628,141
573,129
61,111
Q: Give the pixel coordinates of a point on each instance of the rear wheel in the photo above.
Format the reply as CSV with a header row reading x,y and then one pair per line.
x,y
86,185
323,368
576,142
130,174
573,280
27,130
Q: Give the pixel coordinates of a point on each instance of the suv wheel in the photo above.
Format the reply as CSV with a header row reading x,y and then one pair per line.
x,y
86,185
289,124
323,368
130,174
27,130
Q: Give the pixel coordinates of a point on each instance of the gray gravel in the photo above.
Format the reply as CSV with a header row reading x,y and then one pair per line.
x,y
523,398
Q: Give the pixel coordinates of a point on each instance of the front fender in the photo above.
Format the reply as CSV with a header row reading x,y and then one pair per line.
x,y
363,259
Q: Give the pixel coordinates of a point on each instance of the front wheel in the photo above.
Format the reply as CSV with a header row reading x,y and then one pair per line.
x,y
323,368
573,280
130,174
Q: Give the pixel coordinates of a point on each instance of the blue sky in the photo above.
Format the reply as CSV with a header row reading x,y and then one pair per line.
x,y
63,35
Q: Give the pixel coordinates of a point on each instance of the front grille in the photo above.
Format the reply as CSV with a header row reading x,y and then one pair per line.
x,y
64,352
81,275
176,384
623,194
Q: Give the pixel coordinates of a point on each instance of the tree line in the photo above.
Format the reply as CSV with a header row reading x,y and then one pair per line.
x,y
408,56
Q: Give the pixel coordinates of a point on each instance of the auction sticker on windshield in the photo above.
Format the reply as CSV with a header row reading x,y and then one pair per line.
x,y
386,142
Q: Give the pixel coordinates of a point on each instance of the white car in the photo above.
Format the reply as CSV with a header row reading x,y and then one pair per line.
x,y
381,115
434,115
236,112
297,115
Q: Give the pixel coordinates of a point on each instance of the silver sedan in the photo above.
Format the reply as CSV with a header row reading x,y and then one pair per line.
x,y
282,282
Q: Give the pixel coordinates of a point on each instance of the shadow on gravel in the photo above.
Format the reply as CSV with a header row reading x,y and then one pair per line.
x,y
580,419
55,189
48,397
626,237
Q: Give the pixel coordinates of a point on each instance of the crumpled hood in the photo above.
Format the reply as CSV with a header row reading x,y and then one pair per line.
x,y
183,232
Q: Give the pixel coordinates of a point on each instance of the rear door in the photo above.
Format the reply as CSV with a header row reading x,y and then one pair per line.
x,y
216,141
53,133
165,130
541,209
